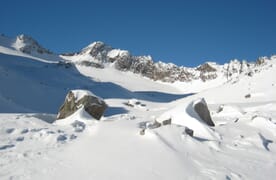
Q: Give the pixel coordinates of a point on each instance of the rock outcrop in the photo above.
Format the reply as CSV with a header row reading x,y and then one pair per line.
x,y
201,108
28,45
76,99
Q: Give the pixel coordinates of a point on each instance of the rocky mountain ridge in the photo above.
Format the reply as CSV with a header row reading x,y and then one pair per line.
x,y
99,55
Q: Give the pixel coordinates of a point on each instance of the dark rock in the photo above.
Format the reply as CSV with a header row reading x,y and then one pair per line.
x,y
247,96
10,130
167,122
253,117
133,103
73,136
220,108
20,138
61,138
189,131
207,76
206,68
137,103
142,132
91,64
202,110
4,147
154,125
207,72
24,131
250,74
123,63
65,64
92,104
128,104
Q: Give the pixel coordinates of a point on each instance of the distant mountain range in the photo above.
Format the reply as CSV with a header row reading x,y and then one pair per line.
x,y
100,55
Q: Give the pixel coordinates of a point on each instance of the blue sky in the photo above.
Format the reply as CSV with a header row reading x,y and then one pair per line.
x,y
185,32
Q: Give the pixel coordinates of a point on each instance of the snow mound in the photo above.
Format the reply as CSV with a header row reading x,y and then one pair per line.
x,y
229,111
80,115
263,122
184,114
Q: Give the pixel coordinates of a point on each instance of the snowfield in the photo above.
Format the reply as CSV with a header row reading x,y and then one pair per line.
x,y
123,144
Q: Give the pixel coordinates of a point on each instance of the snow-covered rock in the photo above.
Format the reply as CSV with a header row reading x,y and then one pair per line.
x,y
77,99
185,115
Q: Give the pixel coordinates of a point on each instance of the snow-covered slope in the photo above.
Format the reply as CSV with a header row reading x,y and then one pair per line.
x,y
26,46
123,145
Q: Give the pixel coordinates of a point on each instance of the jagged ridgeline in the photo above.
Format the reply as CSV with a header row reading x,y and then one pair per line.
x,y
100,55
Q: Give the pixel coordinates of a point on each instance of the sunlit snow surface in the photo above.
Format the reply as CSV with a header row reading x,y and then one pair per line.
x,y
35,146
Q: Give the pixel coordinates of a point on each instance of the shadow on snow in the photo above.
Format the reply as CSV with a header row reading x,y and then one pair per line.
x,y
31,86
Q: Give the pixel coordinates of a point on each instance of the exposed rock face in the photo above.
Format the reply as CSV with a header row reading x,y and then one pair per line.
x,y
207,72
76,99
167,122
91,64
189,131
28,45
202,110
98,50
247,96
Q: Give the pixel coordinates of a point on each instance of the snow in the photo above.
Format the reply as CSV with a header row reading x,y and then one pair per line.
x,y
80,115
80,93
133,82
79,58
184,114
11,46
34,145
117,52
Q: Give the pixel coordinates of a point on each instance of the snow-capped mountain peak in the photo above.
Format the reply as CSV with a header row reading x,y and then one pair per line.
x,y
28,45
94,48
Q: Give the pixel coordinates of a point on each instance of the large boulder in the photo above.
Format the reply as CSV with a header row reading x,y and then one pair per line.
x,y
76,99
201,108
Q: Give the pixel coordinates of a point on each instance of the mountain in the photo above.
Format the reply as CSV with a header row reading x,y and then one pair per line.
x,y
100,55
150,129
25,44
